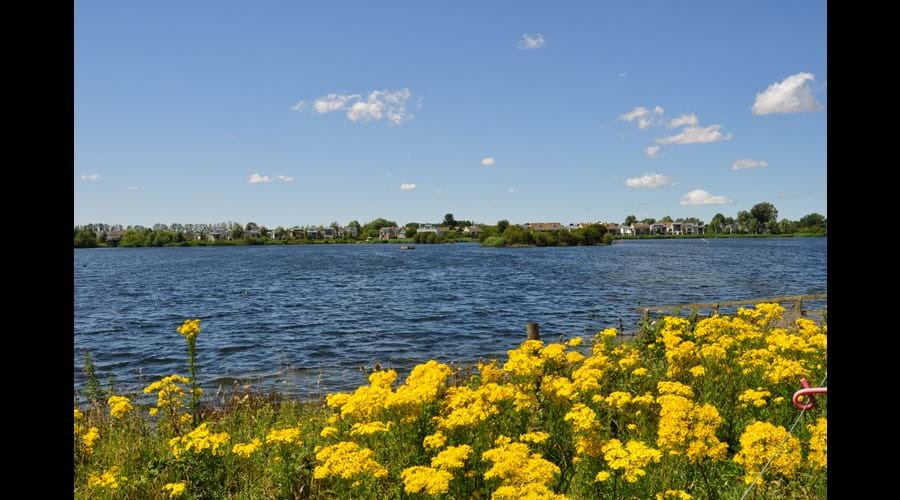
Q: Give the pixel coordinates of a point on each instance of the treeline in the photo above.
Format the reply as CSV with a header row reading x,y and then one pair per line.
x,y
505,234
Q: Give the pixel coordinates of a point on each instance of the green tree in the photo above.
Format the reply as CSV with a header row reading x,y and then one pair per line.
x,y
630,220
449,220
250,226
237,232
649,221
813,221
411,231
764,213
715,224
501,226
666,219
280,233
85,238
746,221
263,231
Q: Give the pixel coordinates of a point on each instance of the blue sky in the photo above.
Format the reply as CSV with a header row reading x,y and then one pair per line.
x,y
179,104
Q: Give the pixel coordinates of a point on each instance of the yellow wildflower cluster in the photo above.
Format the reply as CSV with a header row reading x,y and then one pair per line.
x,y
418,479
519,470
526,360
198,441
676,388
174,489
118,406
689,428
434,441
760,442
630,459
190,329
818,455
289,435
534,437
109,479
90,439
246,449
347,460
170,395
673,494
360,429
421,387
454,457
756,397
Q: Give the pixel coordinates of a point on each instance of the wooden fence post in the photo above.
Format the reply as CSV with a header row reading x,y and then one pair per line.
x,y
799,306
533,330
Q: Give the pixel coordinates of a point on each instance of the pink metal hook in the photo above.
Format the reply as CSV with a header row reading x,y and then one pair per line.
x,y
808,392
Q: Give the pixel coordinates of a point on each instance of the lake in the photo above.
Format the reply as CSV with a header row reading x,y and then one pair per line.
x,y
303,319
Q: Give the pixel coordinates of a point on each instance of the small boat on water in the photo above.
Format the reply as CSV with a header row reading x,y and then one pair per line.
x,y
407,247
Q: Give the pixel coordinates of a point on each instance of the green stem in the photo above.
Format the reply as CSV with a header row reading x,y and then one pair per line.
x,y
192,346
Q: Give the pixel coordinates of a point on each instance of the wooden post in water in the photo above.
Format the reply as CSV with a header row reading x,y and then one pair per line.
x,y
799,306
716,309
533,330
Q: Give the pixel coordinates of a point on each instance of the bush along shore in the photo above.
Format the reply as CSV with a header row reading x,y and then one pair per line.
x,y
690,408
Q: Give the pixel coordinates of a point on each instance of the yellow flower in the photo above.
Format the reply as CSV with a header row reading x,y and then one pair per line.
x,y
189,329
760,442
174,489
639,372
513,464
686,427
285,436
347,460
818,450
185,419
90,439
697,371
369,428
583,418
574,342
453,457
676,388
755,397
198,441
434,441
153,411
78,414
118,406
431,481
674,494
630,458
602,476
246,449
107,480
534,437
329,431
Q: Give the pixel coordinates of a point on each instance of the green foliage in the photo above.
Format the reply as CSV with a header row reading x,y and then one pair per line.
x,y
502,225
631,219
92,382
85,238
449,220
494,241
764,213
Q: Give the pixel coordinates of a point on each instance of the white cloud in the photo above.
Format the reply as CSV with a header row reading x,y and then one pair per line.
x,y
649,181
284,178
256,179
748,163
701,197
696,135
623,74
438,191
645,118
791,95
379,105
90,177
133,188
487,162
407,187
332,102
299,106
685,119
528,42
512,190
651,152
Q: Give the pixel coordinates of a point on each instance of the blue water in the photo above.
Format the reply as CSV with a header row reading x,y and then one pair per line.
x,y
304,319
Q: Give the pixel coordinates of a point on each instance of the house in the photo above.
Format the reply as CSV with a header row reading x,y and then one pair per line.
x,y
626,230
387,233
431,228
296,232
216,236
544,226
674,228
612,227
329,233
472,231
114,236
658,228
693,228
638,228
313,232
348,232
